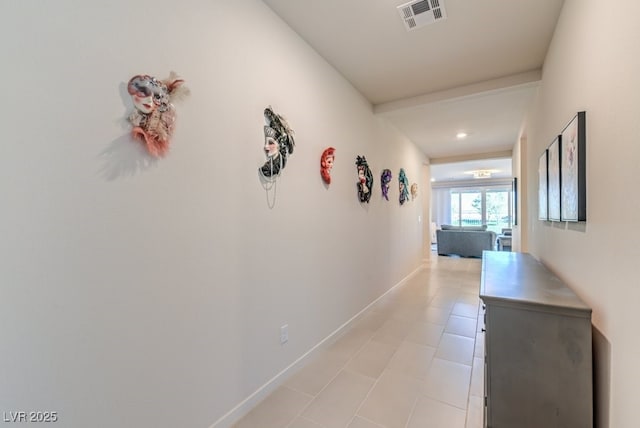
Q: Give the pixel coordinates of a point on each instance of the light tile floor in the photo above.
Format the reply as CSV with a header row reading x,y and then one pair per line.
x,y
413,360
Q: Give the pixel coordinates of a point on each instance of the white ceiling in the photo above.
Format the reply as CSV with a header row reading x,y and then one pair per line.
x,y
462,171
476,71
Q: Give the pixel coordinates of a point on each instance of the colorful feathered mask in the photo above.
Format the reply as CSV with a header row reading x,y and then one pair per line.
x,y
154,116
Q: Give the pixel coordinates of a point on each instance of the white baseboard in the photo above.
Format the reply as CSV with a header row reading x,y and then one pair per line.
x,y
245,406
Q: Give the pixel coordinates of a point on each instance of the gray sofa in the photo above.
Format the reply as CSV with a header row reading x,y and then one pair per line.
x,y
465,241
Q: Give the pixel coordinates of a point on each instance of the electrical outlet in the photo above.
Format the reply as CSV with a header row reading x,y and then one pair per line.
x,y
284,334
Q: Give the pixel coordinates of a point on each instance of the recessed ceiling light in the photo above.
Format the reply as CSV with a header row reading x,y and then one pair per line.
x,y
461,135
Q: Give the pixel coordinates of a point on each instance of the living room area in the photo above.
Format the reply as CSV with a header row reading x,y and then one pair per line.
x,y
473,206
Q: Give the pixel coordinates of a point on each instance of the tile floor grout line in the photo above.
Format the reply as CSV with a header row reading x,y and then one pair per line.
x,y
437,400
369,393
385,369
342,367
355,414
413,409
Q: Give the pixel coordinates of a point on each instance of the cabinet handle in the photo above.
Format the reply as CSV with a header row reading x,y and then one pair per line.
x,y
484,330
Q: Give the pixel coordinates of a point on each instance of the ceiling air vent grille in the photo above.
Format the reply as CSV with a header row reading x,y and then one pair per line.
x,y
419,13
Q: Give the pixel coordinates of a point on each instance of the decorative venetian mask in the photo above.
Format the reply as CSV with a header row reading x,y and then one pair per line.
x,y
326,163
414,191
365,179
278,144
154,116
385,179
404,186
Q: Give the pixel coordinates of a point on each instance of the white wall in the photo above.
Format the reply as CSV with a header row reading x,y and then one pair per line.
x,y
593,65
518,166
150,293
441,205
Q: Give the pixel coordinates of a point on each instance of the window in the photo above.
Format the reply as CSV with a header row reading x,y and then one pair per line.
x,y
498,209
477,206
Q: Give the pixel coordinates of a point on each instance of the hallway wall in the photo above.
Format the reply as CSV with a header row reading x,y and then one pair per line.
x,y
519,164
591,66
139,292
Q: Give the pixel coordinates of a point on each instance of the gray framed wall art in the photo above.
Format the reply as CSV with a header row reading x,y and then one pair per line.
x,y
543,187
573,194
553,156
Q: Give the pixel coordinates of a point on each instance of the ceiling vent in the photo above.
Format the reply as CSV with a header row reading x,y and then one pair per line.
x,y
419,13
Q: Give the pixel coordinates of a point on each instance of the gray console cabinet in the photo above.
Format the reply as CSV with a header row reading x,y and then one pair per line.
x,y
538,358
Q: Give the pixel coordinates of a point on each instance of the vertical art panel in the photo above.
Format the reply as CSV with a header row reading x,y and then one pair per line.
x,y
543,186
572,170
514,201
553,153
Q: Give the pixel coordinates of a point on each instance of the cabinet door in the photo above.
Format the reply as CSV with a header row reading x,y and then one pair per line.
x,y
483,321
539,369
